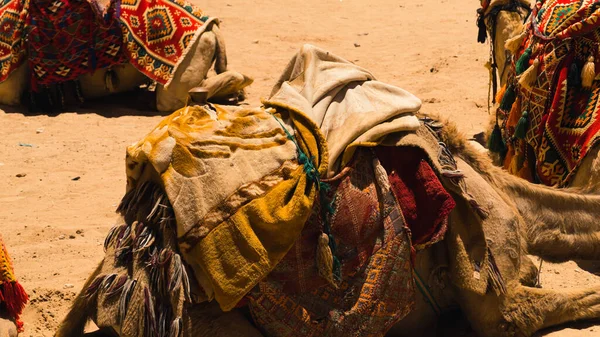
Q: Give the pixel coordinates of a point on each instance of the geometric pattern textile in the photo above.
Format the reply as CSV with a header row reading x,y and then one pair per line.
x,y
12,53
67,39
159,33
376,288
563,117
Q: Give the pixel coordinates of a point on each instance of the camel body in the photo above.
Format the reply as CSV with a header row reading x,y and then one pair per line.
x,y
191,72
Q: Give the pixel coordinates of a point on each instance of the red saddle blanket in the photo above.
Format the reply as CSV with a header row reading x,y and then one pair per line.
x,y
61,40
562,121
372,232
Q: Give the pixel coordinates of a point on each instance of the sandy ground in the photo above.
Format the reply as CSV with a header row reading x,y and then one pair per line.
x,y
55,216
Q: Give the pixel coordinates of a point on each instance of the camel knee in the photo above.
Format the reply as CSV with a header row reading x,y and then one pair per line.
x,y
7,328
14,86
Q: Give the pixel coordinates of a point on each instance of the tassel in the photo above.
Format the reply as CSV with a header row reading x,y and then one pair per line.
x,y
521,128
588,73
501,93
514,166
525,172
515,113
528,78
508,99
495,142
482,33
574,76
514,43
523,62
325,259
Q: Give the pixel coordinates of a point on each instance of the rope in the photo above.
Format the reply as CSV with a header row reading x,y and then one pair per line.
x,y
312,173
424,290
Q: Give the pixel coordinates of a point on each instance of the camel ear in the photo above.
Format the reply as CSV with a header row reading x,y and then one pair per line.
x,y
199,95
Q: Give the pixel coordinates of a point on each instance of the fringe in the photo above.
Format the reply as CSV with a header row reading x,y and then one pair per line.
x,y
496,280
128,289
14,297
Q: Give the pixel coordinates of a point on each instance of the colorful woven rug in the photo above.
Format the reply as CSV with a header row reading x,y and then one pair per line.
x,y
548,143
68,38
374,246
12,19
159,34
12,295
374,249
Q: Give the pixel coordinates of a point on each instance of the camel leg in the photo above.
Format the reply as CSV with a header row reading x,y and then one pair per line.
x,y
93,85
190,73
225,85
74,323
220,51
524,310
7,328
557,246
14,86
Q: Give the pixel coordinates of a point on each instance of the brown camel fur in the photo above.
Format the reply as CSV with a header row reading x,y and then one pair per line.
x,y
522,217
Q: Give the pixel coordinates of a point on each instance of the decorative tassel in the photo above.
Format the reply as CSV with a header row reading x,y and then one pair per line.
x,y
325,259
515,113
508,99
588,73
513,168
482,33
500,93
14,300
528,78
574,76
523,62
525,172
521,128
495,142
514,43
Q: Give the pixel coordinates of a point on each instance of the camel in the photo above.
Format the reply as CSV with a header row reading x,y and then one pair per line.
x,y
191,72
507,25
558,225
498,217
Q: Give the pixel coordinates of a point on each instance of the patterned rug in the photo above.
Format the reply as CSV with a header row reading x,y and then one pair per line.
x,y
548,143
68,38
159,34
12,53
72,37
373,242
12,295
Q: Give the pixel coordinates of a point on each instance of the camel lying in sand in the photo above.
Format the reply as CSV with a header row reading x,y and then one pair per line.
x,y
480,265
191,72
508,25
558,225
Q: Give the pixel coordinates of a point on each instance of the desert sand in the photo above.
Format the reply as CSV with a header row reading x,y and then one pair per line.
x,y
61,177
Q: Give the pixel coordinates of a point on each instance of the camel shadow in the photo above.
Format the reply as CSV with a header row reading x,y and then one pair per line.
x,y
590,266
133,103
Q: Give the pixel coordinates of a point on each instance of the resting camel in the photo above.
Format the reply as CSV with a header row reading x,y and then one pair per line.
x,y
558,225
191,72
518,218
504,25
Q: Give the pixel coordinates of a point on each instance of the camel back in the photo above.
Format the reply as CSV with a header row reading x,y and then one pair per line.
x,y
242,205
549,106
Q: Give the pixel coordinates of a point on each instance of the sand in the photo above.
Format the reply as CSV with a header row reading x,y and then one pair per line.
x,y
55,217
